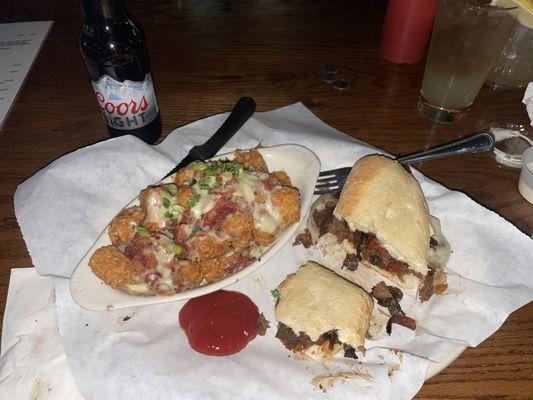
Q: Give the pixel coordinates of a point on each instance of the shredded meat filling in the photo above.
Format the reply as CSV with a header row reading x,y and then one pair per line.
x,y
372,250
301,341
261,325
304,239
390,296
323,218
350,262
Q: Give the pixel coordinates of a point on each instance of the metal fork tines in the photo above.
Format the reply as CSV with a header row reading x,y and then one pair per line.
x,y
331,181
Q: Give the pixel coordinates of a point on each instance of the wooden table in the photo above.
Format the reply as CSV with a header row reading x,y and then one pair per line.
x,y
205,55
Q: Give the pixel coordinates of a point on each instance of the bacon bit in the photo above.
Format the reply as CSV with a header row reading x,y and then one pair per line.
x,y
151,277
268,184
139,255
220,211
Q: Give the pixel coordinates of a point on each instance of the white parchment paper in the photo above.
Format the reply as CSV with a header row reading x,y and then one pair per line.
x,y
490,275
33,364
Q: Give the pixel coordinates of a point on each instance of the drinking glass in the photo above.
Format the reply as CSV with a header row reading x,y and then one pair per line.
x,y
514,69
467,38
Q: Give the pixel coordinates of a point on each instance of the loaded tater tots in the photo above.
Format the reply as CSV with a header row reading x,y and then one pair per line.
x,y
211,220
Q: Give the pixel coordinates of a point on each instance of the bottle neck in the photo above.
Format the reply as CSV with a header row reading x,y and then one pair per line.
x,y
94,10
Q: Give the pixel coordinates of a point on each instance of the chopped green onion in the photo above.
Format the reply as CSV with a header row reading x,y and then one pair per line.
x,y
166,202
216,185
199,166
142,231
195,200
210,172
204,186
275,293
193,182
172,189
168,214
177,249
178,208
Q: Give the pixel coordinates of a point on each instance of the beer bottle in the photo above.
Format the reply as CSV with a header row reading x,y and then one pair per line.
x,y
115,53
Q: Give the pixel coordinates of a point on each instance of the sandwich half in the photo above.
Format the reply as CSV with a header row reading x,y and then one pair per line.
x,y
381,222
321,314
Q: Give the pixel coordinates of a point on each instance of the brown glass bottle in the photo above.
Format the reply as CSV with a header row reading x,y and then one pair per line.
x,y
115,54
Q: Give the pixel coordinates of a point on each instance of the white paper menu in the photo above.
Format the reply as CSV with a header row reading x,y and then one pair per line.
x,y
20,43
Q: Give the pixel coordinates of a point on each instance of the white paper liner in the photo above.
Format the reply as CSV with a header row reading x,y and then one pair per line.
x,y
490,272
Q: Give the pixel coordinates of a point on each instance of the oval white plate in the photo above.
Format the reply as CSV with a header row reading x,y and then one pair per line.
x,y
300,163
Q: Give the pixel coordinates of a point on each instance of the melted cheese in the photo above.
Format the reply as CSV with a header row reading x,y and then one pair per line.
x,y
246,186
154,207
266,217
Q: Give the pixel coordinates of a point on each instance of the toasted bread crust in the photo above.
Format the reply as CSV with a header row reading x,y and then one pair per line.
x,y
382,198
315,300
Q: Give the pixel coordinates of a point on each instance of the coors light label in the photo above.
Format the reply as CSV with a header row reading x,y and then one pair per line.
x,y
126,105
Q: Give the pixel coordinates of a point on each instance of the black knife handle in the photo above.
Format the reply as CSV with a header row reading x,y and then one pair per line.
x,y
242,111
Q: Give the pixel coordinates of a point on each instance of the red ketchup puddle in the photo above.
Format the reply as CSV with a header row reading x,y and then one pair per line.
x,y
220,323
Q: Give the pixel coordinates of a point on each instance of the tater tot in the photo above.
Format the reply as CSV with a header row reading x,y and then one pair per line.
x,y
213,269
187,271
185,193
122,228
287,201
111,266
238,226
183,177
252,159
263,238
281,177
209,247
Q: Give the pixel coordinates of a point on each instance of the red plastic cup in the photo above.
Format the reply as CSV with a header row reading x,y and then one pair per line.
x,y
406,30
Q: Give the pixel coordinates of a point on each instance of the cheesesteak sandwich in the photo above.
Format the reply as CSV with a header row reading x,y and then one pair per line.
x,y
381,223
320,314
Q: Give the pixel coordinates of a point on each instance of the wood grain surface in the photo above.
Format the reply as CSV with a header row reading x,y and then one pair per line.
x,y
207,54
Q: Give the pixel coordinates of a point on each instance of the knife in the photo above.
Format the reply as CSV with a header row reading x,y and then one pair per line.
x,y
242,111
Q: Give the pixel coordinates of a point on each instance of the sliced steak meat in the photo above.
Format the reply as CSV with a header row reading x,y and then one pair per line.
x,y
390,296
330,337
323,218
350,262
386,294
261,325
292,341
304,239
349,351
372,250
301,341
434,282
426,289
403,320
340,229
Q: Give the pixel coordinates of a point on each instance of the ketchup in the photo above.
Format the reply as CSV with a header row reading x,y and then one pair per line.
x,y
406,30
220,323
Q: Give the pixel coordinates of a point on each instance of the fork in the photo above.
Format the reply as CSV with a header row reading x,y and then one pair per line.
x,y
333,180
